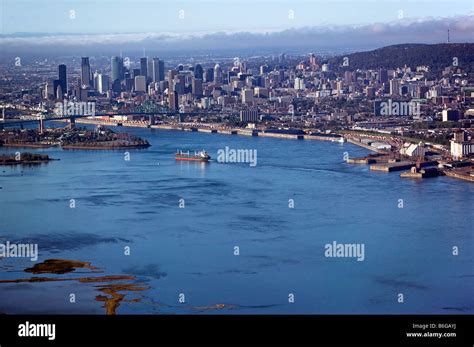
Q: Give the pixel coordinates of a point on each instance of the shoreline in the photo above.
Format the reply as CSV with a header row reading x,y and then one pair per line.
x,y
231,131
28,145
106,148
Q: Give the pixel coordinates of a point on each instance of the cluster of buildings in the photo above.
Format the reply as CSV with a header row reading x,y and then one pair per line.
x,y
283,92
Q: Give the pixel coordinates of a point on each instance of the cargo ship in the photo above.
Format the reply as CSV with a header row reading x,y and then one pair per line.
x,y
199,156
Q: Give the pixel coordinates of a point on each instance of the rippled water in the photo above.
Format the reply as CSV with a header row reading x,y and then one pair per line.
x,y
190,250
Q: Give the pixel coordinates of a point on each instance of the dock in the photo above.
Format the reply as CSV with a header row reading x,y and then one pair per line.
x,y
421,173
465,173
399,166
389,167
363,160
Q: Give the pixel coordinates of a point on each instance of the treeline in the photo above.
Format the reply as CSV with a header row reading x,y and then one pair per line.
x,y
437,57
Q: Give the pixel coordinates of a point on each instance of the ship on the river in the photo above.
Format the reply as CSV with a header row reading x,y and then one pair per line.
x,y
197,156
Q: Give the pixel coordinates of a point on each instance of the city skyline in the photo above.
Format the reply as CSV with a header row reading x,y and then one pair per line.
x,y
248,158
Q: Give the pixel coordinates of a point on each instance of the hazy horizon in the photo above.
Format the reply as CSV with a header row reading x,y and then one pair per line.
x,y
86,27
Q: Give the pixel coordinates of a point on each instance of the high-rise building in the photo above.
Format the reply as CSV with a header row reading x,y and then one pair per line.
x,y
85,72
197,87
198,71
348,78
140,83
63,78
129,83
149,73
117,69
247,96
339,87
58,91
158,67
116,86
209,75
171,75
172,100
395,87
383,76
95,80
179,84
217,74
102,83
144,66
161,69
49,90
135,73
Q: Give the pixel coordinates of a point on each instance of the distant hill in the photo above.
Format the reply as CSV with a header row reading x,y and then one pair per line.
x,y
437,57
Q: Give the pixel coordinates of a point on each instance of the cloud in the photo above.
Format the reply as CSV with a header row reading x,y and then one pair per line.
x,y
421,30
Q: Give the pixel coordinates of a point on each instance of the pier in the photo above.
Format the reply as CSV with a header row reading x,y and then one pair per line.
x,y
465,173
398,166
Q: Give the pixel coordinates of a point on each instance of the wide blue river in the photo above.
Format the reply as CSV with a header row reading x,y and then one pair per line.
x,y
226,238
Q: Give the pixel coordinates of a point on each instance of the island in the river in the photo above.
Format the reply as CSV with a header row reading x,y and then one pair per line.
x,y
24,158
76,138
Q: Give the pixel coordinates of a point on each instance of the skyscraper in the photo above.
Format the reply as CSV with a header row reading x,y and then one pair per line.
x,y
140,84
135,73
102,83
144,66
312,60
149,73
171,75
63,78
179,84
198,71
172,100
85,72
117,69
348,78
383,76
217,74
395,87
161,68
58,93
197,87
158,70
209,75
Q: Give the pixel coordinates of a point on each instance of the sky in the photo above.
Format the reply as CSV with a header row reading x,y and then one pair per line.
x,y
188,16
94,26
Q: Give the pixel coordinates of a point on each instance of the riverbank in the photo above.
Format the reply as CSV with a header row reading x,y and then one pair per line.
x,y
30,145
219,130
105,147
385,167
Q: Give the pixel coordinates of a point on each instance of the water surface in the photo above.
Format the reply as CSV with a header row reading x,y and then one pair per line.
x,y
173,250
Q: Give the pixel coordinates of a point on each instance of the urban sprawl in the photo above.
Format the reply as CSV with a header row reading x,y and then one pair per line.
x,y
411,119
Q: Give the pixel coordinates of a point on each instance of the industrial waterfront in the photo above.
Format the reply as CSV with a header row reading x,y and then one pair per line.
x,y
182,223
